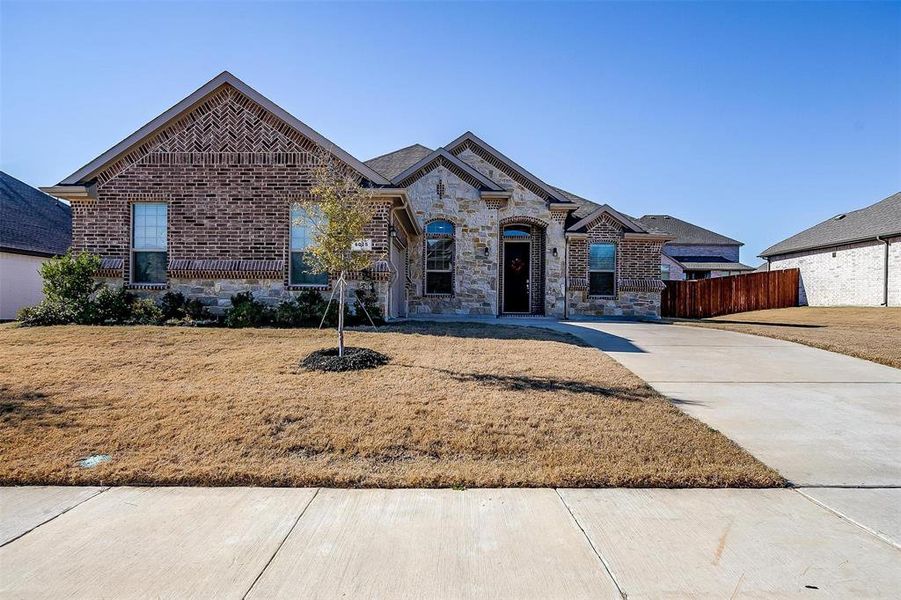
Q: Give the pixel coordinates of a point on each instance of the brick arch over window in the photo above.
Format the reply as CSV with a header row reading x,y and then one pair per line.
x,y
537,263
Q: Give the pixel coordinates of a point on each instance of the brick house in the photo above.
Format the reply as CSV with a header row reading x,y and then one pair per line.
x,y
851,259
200,201
695,252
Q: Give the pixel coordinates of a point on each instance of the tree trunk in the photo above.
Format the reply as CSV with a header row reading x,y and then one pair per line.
x,y
342,286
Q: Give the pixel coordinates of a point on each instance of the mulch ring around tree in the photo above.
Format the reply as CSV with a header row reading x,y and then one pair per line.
x,y
354,359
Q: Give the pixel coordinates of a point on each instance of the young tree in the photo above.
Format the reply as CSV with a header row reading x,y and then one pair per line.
x,y
337,211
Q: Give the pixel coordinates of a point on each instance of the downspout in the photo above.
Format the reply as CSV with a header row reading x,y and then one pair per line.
x,y
565,278
885,271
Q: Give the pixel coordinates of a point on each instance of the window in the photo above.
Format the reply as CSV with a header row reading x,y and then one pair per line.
x,y
302,233
517,231
601,269
664,272
439,258
148,242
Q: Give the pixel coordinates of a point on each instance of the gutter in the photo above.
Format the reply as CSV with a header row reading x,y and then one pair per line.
x,y
885,271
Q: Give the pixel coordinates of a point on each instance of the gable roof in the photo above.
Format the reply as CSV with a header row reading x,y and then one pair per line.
x,y
881,219
685,232
469,139
394,163
86,173
603,209
445,158
31,222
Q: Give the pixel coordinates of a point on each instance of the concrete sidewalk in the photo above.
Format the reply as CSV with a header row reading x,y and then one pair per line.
x,y
484,543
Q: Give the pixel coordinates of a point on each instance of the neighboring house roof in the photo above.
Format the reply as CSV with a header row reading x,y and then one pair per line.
x,y
89,171
686,233
31,222
394,163
882,219
712,263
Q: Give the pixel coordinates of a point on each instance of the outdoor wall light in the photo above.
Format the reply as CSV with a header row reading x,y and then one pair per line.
x,y
487,251
554,252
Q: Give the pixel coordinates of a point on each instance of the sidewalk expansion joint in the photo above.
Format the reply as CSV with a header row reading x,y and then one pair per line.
x,y
76,505
281,543
845,517
594,548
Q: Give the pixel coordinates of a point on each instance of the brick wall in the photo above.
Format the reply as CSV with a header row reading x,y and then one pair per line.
x,y
854,276
228,171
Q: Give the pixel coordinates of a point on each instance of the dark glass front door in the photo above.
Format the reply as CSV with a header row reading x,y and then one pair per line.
x,y
516,277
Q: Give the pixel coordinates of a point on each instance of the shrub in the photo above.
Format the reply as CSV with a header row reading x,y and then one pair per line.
x,y
112,305
70,278
145,312
176,307
45,313
367,298
304,310
247,311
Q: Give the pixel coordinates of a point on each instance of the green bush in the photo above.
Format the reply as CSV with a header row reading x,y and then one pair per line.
x,y
69,279
145,312
366,297
45,313
304,310
112,305
247,311
177,308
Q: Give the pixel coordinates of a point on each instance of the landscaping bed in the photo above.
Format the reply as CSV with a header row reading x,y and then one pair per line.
x,y
871,333
457,405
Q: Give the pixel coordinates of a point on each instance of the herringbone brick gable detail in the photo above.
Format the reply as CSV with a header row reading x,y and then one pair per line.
x,y
226,128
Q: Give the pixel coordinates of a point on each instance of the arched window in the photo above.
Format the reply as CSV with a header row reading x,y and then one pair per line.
x,y
517,231
439,258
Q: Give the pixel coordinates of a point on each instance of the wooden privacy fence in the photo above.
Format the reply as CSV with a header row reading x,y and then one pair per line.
x,y
704,298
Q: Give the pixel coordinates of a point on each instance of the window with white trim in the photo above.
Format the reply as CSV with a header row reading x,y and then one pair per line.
x,y
302,234
439,258
148,242
601,269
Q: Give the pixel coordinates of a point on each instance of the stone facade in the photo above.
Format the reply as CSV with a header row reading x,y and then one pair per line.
x,y
850,275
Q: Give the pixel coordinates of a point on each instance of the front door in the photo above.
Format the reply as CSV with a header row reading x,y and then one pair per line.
x,y
516,277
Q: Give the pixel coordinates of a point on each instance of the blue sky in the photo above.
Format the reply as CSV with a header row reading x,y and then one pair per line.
x,y
756,120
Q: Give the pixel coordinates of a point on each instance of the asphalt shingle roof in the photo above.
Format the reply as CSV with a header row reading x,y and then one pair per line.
x,y
685,232
31,221
394,163
882,219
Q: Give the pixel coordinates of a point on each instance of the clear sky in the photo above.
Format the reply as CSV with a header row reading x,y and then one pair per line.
x,y
756,120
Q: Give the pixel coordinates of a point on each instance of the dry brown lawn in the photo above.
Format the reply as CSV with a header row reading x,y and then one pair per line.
x,y
459,405
869,333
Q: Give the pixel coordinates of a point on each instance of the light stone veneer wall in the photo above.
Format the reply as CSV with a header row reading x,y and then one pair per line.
x,y
477,226
854,276
216,294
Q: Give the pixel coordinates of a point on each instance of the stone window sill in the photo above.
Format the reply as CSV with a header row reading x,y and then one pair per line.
x,y
602,297
438,295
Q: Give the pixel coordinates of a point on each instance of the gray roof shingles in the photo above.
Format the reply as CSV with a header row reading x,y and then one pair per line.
x,y
882,219
685,232
31,222
394,163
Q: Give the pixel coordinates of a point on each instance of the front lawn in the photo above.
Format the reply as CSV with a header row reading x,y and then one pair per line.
x,y
470,405
868,333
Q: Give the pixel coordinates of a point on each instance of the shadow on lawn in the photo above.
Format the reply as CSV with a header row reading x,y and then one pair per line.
x,y
30,407
737,322
543,331
522,383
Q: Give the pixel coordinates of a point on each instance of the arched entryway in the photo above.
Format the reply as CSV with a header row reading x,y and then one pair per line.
x,y
521,266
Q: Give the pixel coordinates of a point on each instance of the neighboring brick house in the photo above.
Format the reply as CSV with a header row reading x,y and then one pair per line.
x,y
33,228
695,252
850,259
200,199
